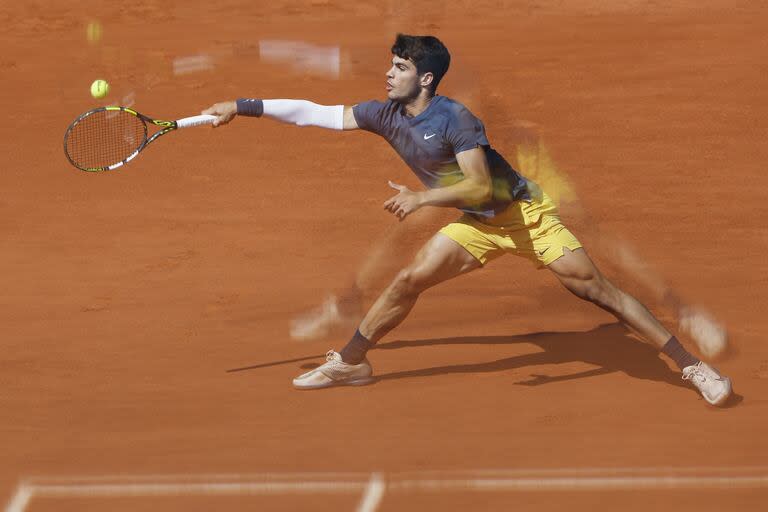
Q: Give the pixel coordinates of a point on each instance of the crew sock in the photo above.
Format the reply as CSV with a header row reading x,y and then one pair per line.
x,y
678,354
354,352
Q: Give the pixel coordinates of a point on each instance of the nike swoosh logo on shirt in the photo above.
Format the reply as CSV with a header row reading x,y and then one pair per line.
x,y
428,137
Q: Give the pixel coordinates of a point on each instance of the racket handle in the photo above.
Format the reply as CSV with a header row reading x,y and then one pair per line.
x,y
195,121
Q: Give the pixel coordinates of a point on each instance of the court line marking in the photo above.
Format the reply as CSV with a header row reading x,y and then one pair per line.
x,y
584,483
364,477
173,489
20,499
373,494
377,484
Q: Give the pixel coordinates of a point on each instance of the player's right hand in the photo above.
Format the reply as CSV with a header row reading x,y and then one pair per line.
x,y
224,112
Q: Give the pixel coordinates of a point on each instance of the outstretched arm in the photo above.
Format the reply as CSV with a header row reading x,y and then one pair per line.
x,y
298,112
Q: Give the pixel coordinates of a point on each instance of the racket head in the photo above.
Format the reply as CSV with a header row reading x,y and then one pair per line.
x,y
105,138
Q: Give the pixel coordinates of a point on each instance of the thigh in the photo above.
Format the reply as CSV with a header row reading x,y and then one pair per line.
x,y
441,258
474,238
574,267
551,241
541,243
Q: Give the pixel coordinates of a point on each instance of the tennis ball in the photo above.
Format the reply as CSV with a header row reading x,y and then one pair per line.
x,y
93,32
99,89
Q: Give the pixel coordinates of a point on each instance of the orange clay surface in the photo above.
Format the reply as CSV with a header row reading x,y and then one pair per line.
x,y
145,311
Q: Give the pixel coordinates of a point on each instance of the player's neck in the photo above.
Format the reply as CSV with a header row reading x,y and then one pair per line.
x,y
418,104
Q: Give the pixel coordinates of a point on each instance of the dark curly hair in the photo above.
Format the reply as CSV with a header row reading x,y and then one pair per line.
x,y
427,52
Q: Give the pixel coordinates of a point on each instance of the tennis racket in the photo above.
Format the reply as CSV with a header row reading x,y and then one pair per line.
x,y
106,138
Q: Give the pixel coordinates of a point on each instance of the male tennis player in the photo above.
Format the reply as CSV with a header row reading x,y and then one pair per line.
x,y
445,145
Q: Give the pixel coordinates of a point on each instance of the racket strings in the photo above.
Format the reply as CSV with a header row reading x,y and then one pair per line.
x,y
104,138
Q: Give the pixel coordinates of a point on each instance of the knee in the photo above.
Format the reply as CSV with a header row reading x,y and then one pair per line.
x,y
406,284
594,288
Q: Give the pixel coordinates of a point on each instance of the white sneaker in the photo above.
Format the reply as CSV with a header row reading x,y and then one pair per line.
x,y
335,372
714,387
321,321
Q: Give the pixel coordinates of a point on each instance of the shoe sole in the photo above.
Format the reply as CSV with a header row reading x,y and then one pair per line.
x,y
362,381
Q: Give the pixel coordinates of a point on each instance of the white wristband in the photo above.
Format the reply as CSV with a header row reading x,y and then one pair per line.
x,y
305,113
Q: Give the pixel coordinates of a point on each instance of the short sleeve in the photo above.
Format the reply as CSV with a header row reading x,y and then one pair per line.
x,y
465,131
369,115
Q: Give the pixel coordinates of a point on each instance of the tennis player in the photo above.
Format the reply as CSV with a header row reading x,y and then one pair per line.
x,y
446,146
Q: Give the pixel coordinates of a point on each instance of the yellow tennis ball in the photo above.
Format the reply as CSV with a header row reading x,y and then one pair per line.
x,y
93,32
99,89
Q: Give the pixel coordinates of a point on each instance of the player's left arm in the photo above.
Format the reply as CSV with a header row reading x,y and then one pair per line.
x,y
473,190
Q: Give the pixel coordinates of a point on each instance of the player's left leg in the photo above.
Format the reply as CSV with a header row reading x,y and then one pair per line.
x,y
579,275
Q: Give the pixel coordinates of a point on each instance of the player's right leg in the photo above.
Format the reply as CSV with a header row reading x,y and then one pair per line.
x,y
439,260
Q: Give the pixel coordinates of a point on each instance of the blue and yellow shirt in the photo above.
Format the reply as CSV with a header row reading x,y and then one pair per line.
x,y
430,141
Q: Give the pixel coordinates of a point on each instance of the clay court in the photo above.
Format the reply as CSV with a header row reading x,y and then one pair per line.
x,y
146,357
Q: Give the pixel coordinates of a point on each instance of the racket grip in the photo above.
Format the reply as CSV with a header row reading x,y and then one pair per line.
x,y
195,121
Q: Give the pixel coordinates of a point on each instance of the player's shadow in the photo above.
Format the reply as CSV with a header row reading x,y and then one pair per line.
x,y
609,347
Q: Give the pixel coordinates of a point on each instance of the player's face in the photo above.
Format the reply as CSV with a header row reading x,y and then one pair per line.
x,y
402,80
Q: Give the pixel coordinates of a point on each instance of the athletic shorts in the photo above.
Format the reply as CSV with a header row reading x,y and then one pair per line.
x,y
531,229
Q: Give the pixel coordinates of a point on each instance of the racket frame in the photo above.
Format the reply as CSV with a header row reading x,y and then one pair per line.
x,y
165,127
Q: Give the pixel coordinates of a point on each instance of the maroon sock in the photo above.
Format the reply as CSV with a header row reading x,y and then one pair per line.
x,y
678,354
354,352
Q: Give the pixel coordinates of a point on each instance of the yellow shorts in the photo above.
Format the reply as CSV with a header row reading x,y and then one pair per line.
x,y
530,229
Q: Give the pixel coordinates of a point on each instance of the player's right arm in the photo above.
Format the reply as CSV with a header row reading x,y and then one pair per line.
x,y
298,112
350,123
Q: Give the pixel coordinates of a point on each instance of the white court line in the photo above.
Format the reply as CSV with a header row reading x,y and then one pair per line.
x,y
364,478
583,483
19,500
374,493
27,491
374,488
177,489
331,476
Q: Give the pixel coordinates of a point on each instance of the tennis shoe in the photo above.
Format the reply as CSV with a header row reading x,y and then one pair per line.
x,y
322,321
335,372
713,387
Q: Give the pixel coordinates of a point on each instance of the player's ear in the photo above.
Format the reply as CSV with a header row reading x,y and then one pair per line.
x,y
426,79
